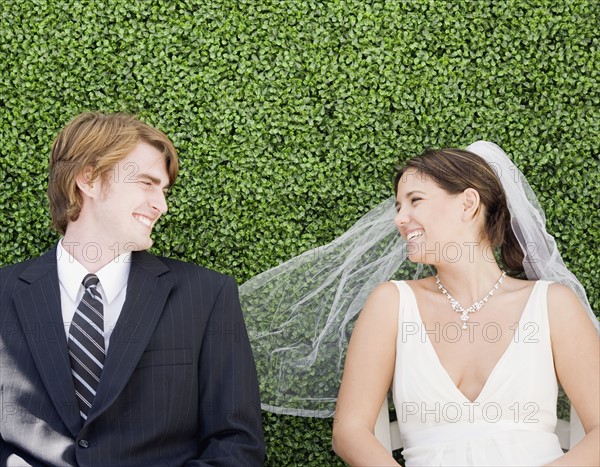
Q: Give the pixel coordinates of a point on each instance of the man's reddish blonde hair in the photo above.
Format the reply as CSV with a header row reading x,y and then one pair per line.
x,y
98,141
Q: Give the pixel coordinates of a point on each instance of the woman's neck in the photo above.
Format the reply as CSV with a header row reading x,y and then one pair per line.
x,y
469,279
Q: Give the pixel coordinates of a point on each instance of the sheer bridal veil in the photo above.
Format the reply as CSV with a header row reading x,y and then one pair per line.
x,y
300,314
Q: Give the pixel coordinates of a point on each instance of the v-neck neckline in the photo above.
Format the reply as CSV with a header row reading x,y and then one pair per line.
x,y
447,376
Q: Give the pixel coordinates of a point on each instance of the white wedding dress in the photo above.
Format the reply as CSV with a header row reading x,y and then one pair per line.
x,y
511,422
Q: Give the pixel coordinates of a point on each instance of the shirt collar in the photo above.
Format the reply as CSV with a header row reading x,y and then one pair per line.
x,y
113,276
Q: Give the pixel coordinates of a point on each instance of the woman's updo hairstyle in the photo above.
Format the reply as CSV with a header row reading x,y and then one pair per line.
x,y
455,170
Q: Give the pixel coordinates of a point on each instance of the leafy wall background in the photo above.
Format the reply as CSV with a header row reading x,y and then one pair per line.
x,y
290,116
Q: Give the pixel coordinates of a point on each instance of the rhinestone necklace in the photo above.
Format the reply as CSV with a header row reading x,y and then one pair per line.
x,y
475,306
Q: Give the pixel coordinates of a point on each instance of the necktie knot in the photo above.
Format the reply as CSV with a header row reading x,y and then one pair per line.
x,y
90,280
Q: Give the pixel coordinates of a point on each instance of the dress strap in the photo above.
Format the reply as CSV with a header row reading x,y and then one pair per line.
x,y
407,309
538,302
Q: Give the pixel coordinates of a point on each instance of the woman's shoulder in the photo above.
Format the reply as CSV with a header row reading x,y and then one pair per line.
x,y
566,313
426,283
563,303
519,283
385,291
392,290
556,293
383,300
380,312
560,292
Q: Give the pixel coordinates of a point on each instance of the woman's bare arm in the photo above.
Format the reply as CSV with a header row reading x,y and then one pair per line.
x,y
576,349
368,373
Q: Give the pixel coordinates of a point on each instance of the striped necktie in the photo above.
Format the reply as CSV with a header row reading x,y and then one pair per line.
x,y
86,345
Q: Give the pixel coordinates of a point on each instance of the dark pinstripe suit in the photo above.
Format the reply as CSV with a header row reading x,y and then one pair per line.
x,y
179,383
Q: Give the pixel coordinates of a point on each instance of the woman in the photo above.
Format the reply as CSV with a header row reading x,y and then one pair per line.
x,y
477,387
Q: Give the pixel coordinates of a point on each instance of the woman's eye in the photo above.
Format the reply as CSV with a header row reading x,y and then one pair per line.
x,y
414,200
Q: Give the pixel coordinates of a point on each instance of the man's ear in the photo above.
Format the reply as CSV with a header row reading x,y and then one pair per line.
x,y
470,204
86,183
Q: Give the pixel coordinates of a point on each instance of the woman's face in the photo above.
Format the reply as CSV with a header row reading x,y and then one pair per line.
x,y
429,219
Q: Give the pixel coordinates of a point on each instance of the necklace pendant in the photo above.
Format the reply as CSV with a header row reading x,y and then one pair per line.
x,y
475,306
464,318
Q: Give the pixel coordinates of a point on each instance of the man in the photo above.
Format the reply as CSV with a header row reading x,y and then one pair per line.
x,y
110,356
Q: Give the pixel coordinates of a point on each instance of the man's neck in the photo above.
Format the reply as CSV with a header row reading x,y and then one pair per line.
x,y
92,254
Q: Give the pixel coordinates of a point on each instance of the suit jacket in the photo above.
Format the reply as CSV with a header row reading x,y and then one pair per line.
x,y
179,383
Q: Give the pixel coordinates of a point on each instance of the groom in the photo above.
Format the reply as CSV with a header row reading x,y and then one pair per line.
x,y
110,356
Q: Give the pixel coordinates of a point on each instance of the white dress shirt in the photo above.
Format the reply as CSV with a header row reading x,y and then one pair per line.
x,y
112,287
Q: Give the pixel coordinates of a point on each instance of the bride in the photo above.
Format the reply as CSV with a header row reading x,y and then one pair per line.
x,y
473,352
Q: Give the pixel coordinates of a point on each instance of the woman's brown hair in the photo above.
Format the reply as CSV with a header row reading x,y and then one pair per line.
x,y
455,170
99,141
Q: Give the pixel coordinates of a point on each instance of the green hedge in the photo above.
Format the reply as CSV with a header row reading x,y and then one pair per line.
x,y
290,115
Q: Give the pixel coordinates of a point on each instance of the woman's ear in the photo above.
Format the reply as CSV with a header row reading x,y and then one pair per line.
x,y
470,203
86,183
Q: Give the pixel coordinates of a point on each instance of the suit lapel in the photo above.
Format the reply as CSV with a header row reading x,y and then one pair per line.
x,y
148,288
39,310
